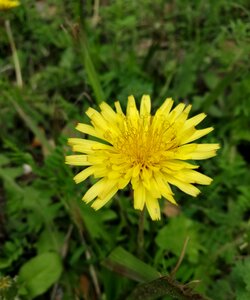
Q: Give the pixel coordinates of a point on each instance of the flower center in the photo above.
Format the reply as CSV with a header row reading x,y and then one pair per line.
x,y
147,142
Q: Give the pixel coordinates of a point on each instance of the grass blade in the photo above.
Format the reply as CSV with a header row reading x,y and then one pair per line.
x,y
124,263
29,121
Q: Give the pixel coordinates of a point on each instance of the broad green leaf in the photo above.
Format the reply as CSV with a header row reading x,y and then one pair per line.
x,y
40,273
125,263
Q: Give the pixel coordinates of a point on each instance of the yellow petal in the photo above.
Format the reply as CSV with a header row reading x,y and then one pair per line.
x,y
203,155
95,190
154,189
129,173
207,147
84,174
77,160
185,134
153,207
165,108
185,151
146,177
118,108
88,129
87,146
198,134
139,196
169,197
176,112
85,142
97,120
182,117
103,199
97,158
191,176
204,151
188,109
177,165
119,167
145,106
113,174
108,113
195,120
122,183
164,188
185,187
131,105
136,170
132,111
100,171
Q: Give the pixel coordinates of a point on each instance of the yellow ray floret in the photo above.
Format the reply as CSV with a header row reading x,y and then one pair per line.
x,y
8,4
148,151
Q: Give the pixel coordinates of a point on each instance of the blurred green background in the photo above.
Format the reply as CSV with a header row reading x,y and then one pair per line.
x,y
69,55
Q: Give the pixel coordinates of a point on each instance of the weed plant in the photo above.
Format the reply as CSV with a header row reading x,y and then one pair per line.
x,y
57,58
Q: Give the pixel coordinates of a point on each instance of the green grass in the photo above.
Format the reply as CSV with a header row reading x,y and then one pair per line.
x,y
71,57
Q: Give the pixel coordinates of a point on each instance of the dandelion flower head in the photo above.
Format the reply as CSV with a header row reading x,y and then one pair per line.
x,y
148,151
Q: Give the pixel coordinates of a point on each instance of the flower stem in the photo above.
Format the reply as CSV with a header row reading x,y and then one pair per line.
x,y
140,236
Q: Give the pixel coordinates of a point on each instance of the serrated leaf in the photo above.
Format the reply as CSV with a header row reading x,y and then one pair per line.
x,y
241,276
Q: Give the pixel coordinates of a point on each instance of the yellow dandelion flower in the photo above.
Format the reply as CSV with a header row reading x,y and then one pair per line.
x,y
8,4
150,151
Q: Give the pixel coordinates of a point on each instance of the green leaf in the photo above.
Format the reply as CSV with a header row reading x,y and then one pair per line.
x,y
10,252
40,273
8,175
5,262
172,236
241,279
50,240
161,287
126,264
219,88
89,64
91,72
93,221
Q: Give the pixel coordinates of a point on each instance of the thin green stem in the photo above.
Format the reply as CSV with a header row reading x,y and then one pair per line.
x,y
140,236
19,79
173,273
